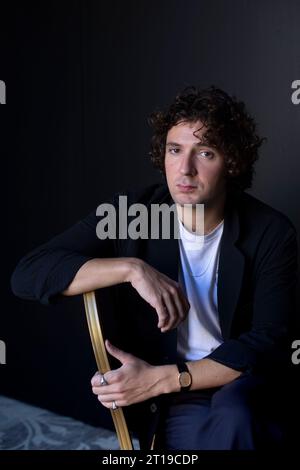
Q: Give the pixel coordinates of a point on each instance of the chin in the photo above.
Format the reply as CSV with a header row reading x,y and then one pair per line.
x,y
188,199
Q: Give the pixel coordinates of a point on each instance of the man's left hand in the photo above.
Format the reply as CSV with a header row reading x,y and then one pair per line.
x,y
133,382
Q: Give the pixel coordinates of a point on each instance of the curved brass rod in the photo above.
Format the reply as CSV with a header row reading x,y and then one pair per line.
x,y
103,365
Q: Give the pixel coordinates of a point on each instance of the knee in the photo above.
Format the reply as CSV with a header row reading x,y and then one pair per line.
x,y
234,417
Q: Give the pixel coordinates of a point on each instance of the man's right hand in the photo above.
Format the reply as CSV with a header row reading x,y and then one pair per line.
x,y
161,292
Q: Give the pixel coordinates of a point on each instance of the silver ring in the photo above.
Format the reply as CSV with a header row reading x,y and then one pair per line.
x,y
103,381
114,405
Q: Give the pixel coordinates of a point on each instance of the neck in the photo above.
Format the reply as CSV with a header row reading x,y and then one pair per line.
x,y
192,219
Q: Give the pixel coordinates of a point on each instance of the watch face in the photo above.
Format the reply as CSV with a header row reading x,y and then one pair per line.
x,y
185,379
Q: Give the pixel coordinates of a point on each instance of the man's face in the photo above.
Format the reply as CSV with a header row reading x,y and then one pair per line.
x,y
195,172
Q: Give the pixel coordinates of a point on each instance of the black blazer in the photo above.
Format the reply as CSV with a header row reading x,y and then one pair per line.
x,y
256,281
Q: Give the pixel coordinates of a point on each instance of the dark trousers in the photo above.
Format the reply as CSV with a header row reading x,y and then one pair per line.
x,y
239,415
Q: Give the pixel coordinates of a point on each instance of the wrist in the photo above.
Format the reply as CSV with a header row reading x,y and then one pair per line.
x,y
184,377
133,269
167,379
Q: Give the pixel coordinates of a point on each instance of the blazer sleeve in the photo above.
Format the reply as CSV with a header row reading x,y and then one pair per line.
x,y
274,306
48,270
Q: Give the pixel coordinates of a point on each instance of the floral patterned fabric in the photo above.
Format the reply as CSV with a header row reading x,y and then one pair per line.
x,y
25,427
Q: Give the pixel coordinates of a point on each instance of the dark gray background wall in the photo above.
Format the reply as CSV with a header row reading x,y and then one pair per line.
x,y
82,77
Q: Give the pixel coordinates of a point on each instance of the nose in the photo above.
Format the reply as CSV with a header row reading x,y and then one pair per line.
x,y
187,164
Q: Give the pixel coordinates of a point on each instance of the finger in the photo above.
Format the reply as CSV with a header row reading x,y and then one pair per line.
x,y
162,313
182,306
111,397
106,405
172,312
119,403
122,356
180,309
184,302
108,389
95,380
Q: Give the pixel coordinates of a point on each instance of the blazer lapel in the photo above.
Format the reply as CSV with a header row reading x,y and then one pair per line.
x,y
231,266
162,253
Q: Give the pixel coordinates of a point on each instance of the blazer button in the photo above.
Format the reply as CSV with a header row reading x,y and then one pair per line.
x,y
153,408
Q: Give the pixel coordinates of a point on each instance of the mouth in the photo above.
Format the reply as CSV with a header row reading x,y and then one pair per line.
x,y
186,188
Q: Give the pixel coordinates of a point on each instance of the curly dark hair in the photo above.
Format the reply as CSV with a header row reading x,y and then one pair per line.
x,y
230,129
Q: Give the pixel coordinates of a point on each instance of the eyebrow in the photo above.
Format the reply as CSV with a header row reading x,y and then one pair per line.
x,y
199,144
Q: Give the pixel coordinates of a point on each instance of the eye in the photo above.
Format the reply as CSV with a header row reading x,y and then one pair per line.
x,y
207,154
174,150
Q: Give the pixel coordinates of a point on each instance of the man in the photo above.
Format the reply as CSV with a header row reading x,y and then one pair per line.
x,y
201,377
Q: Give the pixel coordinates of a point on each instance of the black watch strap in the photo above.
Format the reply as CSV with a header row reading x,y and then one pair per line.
x,y
182,367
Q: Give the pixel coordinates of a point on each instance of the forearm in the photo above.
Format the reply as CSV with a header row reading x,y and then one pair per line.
x,y
98,273
136,380
206,373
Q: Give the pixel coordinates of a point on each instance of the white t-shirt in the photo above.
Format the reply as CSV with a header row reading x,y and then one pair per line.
x,y
200,333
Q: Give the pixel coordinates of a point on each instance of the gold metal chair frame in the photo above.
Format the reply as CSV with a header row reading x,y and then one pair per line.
x,y
97,340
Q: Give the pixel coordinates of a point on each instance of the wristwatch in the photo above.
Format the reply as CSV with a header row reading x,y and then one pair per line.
x,y
184,377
